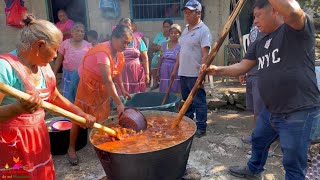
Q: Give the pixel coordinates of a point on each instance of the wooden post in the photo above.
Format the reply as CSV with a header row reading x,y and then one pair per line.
x,y
234,3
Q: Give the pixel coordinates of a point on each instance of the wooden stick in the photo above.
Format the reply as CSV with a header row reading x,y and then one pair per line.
x,y
234,3
167,93
211,56
55,109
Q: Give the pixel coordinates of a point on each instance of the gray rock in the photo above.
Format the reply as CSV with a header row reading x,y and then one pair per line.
x,y
232,112
231,99
241,106
232,127
233,141
209,93
225,97
191,174
240,97
214,103
219,150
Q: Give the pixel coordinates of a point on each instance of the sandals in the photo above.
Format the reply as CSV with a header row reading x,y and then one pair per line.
x,y
73,161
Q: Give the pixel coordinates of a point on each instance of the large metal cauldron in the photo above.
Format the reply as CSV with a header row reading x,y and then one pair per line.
x,y
165,164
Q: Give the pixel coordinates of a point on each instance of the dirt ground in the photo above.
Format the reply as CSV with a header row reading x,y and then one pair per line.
x,y
210,155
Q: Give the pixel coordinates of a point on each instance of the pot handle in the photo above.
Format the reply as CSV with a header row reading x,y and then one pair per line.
x,y
188,148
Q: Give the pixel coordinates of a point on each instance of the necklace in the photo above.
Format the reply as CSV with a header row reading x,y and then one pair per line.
x,y
171,45
35,76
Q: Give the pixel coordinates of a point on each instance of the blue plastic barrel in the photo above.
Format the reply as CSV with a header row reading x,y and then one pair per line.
x,y
153,100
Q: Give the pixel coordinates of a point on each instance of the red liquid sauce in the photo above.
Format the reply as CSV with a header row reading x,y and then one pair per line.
x,y
157,136
62,125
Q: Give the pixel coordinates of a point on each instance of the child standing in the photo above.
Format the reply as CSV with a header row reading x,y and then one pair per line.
x,y
160,38
92,36
169,62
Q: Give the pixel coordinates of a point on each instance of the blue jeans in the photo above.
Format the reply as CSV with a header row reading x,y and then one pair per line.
x,y
199,102
295,131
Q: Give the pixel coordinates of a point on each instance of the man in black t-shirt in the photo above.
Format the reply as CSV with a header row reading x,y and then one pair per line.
x,y
287,83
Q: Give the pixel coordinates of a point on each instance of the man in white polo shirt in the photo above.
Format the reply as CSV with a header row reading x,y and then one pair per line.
x,y
195,44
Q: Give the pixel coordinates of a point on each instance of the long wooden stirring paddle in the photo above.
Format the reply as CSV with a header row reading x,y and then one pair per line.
x,y
209,60
8,90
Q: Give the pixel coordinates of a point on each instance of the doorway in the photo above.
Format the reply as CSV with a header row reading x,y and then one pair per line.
x,y
246,22
76,10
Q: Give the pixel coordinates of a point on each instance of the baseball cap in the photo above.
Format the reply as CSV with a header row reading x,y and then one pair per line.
x,y
193,5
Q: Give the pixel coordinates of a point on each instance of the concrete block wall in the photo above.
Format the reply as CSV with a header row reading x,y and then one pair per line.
x,y
217,13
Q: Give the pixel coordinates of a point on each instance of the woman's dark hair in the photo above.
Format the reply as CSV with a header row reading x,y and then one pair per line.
x,y
37,29
77,25
62,10
120,31
261,4
29,20
92,33
169,21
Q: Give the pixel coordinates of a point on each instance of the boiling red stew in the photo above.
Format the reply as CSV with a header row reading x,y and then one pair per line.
x,y
159,135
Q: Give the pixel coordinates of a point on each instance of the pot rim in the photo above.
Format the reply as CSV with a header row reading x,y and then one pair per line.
x,y
151,112
50,121
64,120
